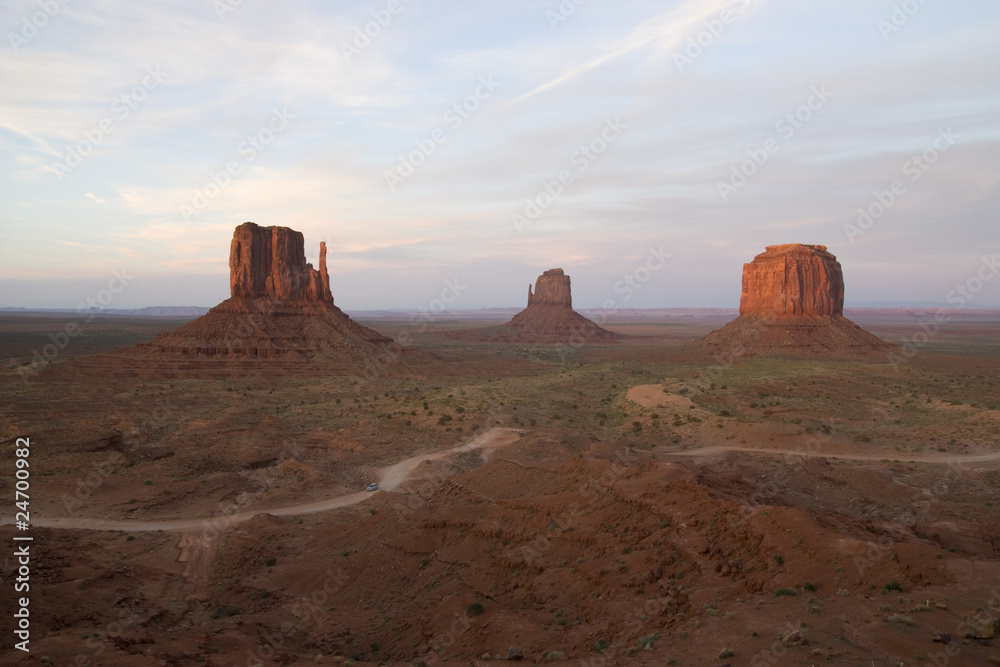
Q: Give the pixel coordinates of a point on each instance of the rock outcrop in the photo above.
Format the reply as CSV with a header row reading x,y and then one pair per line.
x,y
280,315
271,262
793,303
551,289
548,318
793,279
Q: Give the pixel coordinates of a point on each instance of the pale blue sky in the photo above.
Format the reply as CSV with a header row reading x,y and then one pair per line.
x,y
220,77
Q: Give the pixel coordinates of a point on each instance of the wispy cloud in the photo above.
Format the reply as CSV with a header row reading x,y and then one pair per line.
x,y
666,32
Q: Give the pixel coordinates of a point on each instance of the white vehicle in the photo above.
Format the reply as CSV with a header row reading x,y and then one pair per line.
x,y
372,487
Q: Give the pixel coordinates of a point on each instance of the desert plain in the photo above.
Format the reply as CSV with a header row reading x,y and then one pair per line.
x,y
644,502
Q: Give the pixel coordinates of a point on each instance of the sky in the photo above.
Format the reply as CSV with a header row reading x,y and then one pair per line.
x,y
458,150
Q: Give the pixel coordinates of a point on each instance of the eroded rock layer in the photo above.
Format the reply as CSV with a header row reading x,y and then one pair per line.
x,y
793,279
551,289
281,315
792,303
271,262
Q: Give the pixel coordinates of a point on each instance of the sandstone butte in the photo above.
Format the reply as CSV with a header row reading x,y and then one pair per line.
x,y
280,314
271,262
548,318
793,302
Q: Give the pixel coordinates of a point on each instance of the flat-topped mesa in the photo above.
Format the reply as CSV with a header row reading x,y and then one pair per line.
x,y
270,262
793,280
551,289
793,304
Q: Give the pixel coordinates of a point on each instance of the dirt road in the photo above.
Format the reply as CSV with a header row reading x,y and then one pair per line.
x,y
943,459
389,479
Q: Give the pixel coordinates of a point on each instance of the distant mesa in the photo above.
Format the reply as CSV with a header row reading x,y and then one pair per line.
x,y
793,303
281,313
548,318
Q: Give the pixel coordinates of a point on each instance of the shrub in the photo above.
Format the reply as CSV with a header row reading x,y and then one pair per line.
x,y
555,655
784,592
270,560
223,612
475,609
808,586
892,586
899,618
726,653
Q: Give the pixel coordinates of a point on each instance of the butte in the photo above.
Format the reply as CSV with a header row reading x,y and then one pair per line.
x,y
793,304
280,317
548,318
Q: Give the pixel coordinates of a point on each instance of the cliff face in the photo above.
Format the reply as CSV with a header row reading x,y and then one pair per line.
x,y
270,262
551,289
793,303
792,280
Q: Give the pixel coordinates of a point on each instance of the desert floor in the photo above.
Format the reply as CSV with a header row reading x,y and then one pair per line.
x,y
662,506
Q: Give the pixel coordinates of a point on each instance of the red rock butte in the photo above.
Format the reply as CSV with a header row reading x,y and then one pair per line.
x,y
548,318
271,262
551,289
793,303
280,315
791,280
